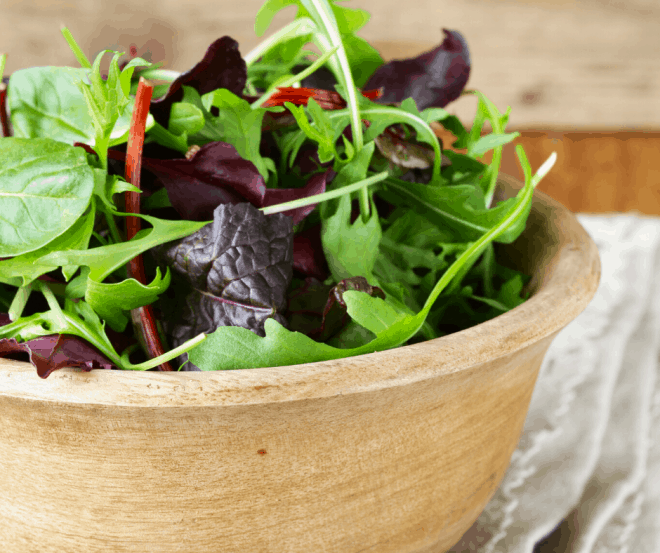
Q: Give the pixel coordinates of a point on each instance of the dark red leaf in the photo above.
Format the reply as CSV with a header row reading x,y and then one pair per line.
x,y
327,99
308,257
221,67
306,304
320,311
50,353
432,79
215,175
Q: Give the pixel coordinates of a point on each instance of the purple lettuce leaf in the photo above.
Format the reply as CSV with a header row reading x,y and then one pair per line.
x,y
50,353
237,268
432,79
221,67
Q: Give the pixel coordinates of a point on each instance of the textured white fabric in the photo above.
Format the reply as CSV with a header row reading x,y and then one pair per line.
x,y
590,448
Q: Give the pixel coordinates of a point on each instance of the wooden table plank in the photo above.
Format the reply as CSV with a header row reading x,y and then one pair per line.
x,y
566,64
595,171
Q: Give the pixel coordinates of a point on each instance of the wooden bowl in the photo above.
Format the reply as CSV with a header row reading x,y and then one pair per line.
x,y
396,451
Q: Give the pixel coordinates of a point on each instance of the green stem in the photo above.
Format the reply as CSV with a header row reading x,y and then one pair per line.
x,y
3,60
318,198
183,348
298,27
18,303
160,75
101,145
342,69
100,238
50,297
112,226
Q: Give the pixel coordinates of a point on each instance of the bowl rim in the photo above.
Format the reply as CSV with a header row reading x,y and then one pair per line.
x,y
563,294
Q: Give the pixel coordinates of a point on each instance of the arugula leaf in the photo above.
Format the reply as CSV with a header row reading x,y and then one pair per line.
x,y
487,111
40,177
508,296
78,319
237,124
111,300
106,186
350,249
46,102
490,141
454,207
106,259
326,36
322,132
293,140
362,58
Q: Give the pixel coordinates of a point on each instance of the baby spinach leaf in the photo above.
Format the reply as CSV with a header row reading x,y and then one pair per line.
x,y
186,119
46,102
29,266
110,301
45,186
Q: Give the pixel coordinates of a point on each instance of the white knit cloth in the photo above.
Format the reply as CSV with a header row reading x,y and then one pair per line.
x,y
590,450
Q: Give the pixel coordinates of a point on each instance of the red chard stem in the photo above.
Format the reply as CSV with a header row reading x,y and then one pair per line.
x,y
143,317
3,110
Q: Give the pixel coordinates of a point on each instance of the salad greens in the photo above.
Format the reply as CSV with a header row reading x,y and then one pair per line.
x,y
299,206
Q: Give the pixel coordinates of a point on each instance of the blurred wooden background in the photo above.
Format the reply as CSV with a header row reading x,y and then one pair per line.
x,y
582,76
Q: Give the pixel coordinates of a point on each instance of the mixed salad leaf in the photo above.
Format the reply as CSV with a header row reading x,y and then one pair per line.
x,y
299,206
